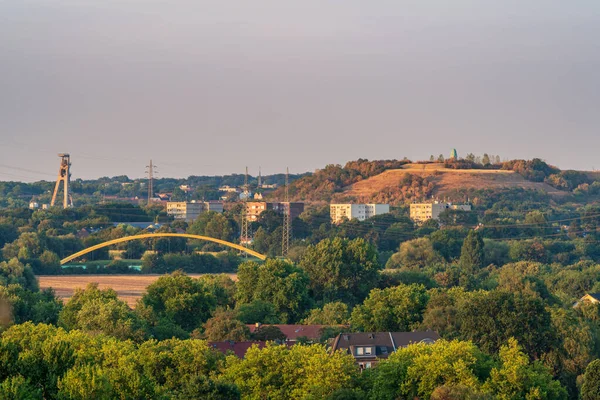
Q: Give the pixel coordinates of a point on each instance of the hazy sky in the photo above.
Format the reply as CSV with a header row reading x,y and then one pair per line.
x,y
208,87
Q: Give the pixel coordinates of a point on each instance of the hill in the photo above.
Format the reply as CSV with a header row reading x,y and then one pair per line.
x,y
396,184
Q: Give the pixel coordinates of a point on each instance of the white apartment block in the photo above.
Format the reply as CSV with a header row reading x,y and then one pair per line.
x,y
422,212
189,211
339,212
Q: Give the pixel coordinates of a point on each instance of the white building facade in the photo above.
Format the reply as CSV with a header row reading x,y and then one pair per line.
x,y
341,212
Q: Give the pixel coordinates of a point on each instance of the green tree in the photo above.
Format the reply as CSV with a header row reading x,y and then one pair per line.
x,y
258,311
201,387
417,370
341,269
178,299
69,314
591,382
414,255
335,313
224,326
397,308
14,272
471,254
276,282
490,319
517,378
86,382
17,387
299,372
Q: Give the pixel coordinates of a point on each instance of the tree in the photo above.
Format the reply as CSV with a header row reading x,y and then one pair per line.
x,y
257,311
397,308
591,381
299,372
471,254
276,282
86,382
50,262
224,326
178,299
341,269
17,387
201,387
14,272
448,242
491,319
335,313
414,255
100,311
485,160
517,378
417,370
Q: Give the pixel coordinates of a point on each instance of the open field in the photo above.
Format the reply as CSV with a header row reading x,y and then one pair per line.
x,y
446,180
129,288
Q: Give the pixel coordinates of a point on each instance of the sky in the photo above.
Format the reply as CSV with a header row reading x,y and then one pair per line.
x,y
209,87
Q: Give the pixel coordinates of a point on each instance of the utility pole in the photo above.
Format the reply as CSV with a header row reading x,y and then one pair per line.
x,y
287,218
151,170
244,229
64,176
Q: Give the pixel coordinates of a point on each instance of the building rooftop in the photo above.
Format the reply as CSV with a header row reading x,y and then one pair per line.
x,y
384,342
293,332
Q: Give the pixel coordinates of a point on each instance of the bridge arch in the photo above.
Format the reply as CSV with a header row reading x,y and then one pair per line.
x,y
157,235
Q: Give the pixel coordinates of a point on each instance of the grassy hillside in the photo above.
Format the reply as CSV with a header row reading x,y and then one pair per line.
x,y
397,182
391,185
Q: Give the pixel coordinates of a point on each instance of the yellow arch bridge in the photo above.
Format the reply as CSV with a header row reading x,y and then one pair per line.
x,y
157,235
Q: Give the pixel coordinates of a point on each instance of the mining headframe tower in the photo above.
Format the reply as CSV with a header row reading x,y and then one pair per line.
x,y
64,176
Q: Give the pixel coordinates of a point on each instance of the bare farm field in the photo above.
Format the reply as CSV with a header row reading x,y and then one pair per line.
x,y
129,288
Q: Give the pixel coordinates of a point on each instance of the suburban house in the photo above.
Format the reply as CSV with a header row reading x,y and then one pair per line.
x,y
368,348
592,298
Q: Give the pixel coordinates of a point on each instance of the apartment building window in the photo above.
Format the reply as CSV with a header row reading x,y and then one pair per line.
x,y
359,351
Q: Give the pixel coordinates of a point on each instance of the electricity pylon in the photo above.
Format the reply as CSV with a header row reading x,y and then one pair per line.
x,y
287,219
151,170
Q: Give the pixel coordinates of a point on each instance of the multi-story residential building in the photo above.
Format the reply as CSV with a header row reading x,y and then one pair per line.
x,y
255,208
341,212
422,212
190,210
368,348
